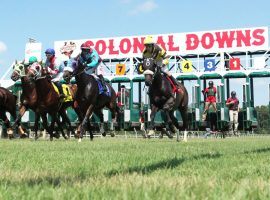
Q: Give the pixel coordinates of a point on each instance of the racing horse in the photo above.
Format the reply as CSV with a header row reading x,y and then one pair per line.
x,y
160,95
48,99
90,100
28,96
8,104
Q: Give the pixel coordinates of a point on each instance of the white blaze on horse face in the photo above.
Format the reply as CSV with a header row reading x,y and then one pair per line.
x,y
148,72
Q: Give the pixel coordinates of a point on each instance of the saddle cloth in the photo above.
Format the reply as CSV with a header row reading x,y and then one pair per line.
x,y
66,91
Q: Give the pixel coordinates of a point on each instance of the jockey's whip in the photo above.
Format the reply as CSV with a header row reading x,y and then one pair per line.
x,y
107,66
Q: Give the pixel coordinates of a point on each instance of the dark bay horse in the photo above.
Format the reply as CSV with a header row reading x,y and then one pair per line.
x,y
89,99
8,104
161,97
47,98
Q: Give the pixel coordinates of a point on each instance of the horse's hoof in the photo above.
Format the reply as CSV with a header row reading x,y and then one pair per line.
x,y
173,128
112,134
91,137
80,140
160,136
103,134
51,138
57,136
151,133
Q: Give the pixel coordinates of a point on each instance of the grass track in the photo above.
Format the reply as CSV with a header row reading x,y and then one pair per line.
x,y
113,168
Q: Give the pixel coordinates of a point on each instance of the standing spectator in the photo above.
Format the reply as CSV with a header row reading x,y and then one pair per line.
x,y
233,105
210,93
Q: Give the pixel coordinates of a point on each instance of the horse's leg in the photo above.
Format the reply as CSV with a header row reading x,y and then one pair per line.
x,y
45,125
80,117
168,107
66,121
90,129
101,118
56,135
37,117
54,116
3,116
22,110
85,123
154,110
184,114
115,115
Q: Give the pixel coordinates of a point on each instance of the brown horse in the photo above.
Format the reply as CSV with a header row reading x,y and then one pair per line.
x,y
90,100
162,97
8,104
28,96
47,98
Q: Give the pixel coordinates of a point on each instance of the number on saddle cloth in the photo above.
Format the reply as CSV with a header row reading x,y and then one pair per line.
x,y
66,91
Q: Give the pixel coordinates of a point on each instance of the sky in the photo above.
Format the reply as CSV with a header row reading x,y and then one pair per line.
x,y
49,21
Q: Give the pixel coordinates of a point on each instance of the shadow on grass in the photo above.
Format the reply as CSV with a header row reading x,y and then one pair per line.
x,y
262,150
54,181
165,164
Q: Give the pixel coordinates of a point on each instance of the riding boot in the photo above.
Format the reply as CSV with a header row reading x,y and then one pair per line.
x,y
103,82
60,89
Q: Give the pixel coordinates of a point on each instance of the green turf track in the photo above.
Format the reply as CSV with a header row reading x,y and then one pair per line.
x,y
113,168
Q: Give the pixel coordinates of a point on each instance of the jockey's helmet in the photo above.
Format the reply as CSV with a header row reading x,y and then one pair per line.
x,y
233,93
210,83
50,51
87,46
32,60
148,40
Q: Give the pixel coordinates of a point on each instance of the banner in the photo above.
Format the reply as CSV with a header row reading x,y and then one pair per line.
x,y
245,39
32,49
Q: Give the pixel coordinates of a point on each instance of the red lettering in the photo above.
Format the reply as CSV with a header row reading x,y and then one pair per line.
x,y
125,46
171,43
259,38
161,42
207,40
138,46
192,41
111,48
100,47
223,38
241,37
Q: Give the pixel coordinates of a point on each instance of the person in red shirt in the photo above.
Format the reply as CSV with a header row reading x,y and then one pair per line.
x,y
210,93
233,104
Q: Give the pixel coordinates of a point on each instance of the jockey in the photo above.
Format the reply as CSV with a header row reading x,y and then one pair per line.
x,y
153,50
91,60
53,65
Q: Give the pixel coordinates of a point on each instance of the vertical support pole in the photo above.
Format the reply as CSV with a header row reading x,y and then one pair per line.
x,y
244,96
251,92
228,87
248,91
140,92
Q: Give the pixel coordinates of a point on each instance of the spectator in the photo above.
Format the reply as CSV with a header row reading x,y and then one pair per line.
x,y
210,93
233,105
